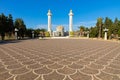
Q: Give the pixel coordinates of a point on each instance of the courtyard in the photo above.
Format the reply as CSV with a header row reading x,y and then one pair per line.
x,y
60,59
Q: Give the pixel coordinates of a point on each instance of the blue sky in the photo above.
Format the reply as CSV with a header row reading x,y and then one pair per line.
x,y
34,12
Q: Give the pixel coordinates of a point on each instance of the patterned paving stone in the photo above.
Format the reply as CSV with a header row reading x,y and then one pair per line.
x,y
27,76
67,78
95,78
89,71
80,76
10,63
89,59
81,62
35,66
43,70
112,70
64,62
96,66
56,59
38,78
11,78
28,62
114,66
2,69
116,62
7,59
55,66
1,65
66,70
15,66
5,76
101,62
60,59
47,62
53,76
75,66
104,76
19,71
72,59
41,59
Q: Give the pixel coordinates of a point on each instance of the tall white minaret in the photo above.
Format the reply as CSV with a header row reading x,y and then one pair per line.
x,y
70,22
49,14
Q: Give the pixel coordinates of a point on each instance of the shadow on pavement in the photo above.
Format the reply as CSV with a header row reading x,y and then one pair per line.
x,y
9,41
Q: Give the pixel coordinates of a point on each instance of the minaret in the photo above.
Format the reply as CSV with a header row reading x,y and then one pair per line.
x,y
49,14
70,21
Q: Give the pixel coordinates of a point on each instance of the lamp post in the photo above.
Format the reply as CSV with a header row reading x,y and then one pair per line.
x,y
105,36
16,33
88,34
32,34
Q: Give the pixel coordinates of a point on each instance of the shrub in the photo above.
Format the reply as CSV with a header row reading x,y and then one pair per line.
x,y
47,34
71,34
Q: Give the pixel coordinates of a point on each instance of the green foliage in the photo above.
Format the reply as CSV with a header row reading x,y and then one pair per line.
x,y
37,32
29,32
119,32
93,32
19,24
99,25
71,34
6,25
47,34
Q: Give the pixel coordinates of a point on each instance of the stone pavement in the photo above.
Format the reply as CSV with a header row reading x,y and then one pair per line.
x,y
60,59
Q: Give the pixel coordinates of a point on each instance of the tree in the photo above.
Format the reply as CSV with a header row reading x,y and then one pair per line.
x,y
99,24
3,26
10,25
119,28
109,25
29,32
42,32
19,24
94,32
82,28
116,27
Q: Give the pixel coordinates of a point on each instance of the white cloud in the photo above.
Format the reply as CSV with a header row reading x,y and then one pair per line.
x,y
40,26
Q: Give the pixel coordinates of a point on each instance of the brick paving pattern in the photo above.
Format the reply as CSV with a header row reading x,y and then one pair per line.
x,y
60,59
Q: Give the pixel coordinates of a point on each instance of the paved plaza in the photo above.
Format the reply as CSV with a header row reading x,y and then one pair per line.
x,y
60,59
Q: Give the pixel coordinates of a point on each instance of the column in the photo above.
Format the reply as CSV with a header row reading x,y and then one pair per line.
x,y
70,22
49,14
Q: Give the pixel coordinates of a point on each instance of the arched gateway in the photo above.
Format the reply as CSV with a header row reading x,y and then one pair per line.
x,y
49,14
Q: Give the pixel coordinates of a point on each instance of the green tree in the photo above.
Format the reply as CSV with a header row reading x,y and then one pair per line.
x,y
3,26
19,24
29,32
37,32
116,27
119,28
10,25
99,24
109,25
82,28
94,32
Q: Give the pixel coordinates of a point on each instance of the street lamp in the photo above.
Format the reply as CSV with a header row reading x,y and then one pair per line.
x,y
16,33
88,32
105,36
32,34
